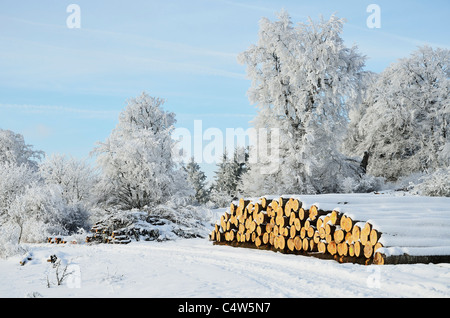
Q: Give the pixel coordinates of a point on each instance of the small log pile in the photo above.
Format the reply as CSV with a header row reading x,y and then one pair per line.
x,y
124,228
287,225
105,233
60,240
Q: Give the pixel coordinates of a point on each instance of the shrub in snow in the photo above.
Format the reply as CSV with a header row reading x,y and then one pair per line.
x,y
436,184
9,245
363,184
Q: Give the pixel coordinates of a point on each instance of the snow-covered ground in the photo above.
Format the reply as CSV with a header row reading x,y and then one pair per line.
x,y
197,268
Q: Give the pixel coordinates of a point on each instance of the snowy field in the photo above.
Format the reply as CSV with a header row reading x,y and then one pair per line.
x,y
192,268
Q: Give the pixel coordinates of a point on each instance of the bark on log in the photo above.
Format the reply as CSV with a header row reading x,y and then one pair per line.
x,y
382,259
232,209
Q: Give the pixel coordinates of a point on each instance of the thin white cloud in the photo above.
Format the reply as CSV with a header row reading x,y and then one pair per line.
x,y
137,40
216,115
45,109
248,6
404,39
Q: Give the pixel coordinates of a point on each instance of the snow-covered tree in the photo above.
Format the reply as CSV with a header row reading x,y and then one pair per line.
x,y
404,121
198,180
75,177
228,176
14,181
304,81
31,210
13,149
38,212
136,159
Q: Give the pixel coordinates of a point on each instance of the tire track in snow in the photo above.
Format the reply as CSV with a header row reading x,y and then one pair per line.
x,y
276,274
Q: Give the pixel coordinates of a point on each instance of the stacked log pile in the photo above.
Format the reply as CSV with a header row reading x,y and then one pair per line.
x,y
126,227
105,233
287,225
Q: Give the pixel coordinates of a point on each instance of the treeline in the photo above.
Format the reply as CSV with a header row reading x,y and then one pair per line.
x,y
59,195
342,128
330,126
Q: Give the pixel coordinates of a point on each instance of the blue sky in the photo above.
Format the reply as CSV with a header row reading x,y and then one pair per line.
x,y
64,88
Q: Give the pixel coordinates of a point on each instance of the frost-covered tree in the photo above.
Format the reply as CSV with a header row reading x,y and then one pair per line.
x,y
14,181
13,149
76,180
198,180
29,209
354,136
40,211
75,177
136,159
404,121
304,81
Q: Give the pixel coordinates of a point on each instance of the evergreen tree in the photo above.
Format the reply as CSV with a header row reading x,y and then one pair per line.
x,y
228,176
198,180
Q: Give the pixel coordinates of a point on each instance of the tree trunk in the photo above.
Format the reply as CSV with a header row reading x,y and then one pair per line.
x,y
364,162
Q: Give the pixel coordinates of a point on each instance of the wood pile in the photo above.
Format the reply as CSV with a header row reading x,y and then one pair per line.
x,y
122,229
59,240
102,233
287,225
